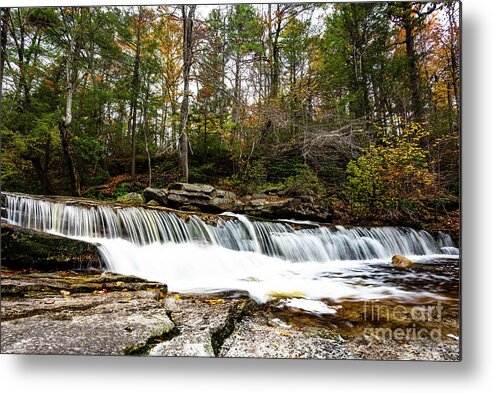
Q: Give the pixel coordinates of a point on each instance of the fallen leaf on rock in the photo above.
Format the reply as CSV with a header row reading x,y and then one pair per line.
x,y
216,301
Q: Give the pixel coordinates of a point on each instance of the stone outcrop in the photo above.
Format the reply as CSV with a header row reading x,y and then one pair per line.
x,y
28,248
272,203
155,194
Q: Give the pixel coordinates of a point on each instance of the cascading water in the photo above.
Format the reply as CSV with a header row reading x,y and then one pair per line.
x,y
264,258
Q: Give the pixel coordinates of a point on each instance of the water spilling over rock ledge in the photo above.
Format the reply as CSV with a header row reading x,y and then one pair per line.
x,y
311,284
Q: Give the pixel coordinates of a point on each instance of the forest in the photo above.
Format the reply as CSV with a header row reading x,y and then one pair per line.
x,y
355,104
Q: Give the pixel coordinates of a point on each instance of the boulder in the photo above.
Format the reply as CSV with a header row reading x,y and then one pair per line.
x,y
192,187
222,194
131,198
159,195
402,262
278,207
185,196
268,204
199,197
152,202
234,205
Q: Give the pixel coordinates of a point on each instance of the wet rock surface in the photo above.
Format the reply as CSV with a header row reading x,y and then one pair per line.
x,y
402,261
106,314
26,247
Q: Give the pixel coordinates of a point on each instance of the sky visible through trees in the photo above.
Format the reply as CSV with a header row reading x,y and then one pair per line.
x,y
356,103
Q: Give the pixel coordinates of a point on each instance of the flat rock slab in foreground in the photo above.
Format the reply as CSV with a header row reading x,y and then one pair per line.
x,y
107,314
95,323
202,322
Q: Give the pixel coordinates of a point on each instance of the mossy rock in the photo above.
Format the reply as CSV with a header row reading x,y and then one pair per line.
x,y
131,198
23,248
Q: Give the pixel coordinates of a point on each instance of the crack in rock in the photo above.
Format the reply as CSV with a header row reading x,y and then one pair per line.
x,y
204,324
224,331
145,348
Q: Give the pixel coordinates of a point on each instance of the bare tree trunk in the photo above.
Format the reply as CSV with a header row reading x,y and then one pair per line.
x,y
3,44
64,124
145,126
453,55
187,63
135,93
42,170
66,137
236,95
413,73
414,84
19,41
276,64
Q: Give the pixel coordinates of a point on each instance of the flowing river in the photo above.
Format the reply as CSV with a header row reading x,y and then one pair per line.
x,y
267,259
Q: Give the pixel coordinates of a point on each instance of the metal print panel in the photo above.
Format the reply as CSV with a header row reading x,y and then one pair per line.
x,y
243,180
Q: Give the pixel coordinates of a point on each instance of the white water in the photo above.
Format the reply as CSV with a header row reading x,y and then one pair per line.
x,y
266,259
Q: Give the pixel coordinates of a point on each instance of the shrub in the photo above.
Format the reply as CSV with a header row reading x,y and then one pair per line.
x,y
304,182
391,176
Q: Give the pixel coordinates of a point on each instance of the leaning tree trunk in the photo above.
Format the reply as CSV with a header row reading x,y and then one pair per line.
x,y
187,63
64,124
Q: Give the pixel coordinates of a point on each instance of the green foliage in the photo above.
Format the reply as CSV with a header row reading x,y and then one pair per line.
x,y
13,166
392,175
122,189
202,173
249,182
304,182
244,29
280,99
90,155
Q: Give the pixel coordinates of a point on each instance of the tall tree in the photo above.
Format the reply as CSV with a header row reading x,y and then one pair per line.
x,y
4,20
243,31
411,17
135,91
188,14
73,23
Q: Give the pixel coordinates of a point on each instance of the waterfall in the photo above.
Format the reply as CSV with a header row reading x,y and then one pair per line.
x,y
144,226
261,257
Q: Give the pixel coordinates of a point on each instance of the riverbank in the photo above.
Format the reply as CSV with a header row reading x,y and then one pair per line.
x,y
68,312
